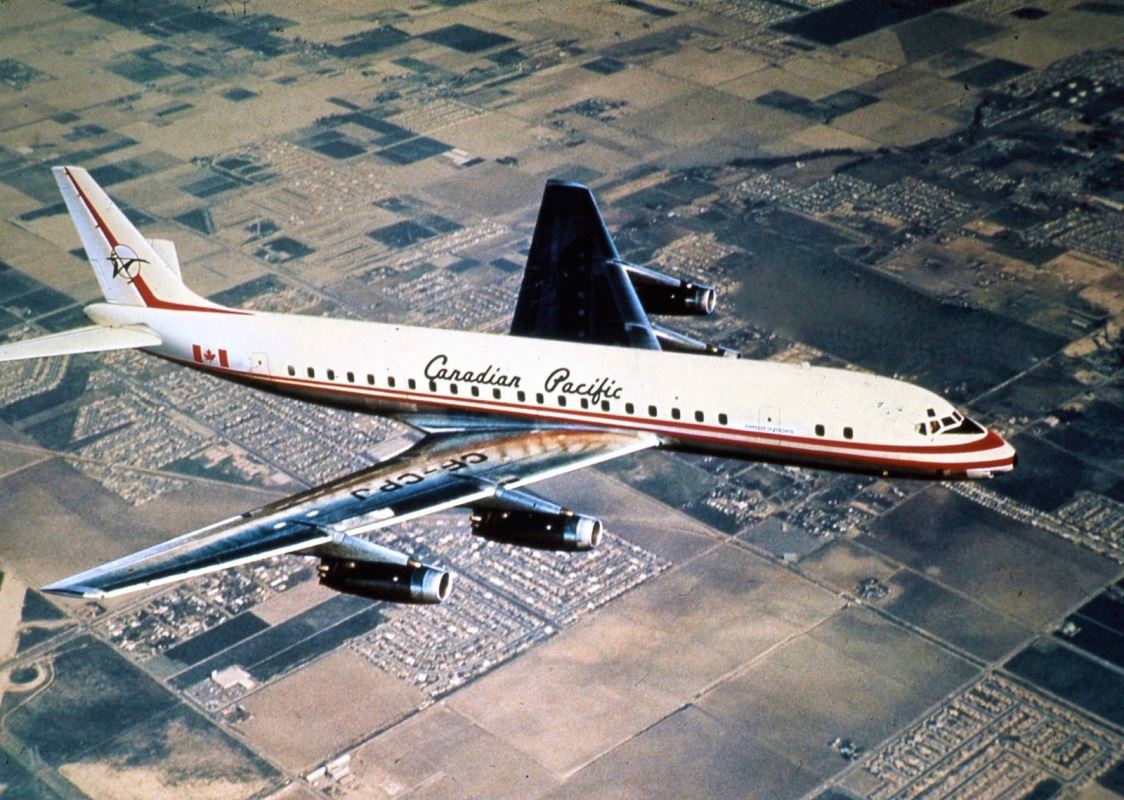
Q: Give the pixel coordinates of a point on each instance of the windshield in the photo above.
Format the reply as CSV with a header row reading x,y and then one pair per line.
x,y
954,423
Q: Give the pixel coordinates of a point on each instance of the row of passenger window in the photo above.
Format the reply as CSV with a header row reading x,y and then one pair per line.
x,y
520,395
848,432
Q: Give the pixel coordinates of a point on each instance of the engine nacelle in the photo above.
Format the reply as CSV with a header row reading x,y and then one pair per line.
x,y
662,294
564,531
378,580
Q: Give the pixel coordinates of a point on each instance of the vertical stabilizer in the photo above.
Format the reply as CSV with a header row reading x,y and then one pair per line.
x,y
129,269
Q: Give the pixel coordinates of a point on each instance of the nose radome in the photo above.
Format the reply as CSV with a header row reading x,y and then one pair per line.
x,y
1007,450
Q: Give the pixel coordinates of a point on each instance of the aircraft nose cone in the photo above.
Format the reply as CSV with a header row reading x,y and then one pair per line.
x,y
1006,450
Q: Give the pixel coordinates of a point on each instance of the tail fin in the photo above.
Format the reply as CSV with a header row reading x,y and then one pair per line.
x,y
130,271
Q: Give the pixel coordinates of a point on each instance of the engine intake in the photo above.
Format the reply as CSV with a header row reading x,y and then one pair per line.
x,y
378,580
563,531
662,294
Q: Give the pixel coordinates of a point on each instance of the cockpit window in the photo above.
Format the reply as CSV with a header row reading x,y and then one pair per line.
x,y
955,423
966,426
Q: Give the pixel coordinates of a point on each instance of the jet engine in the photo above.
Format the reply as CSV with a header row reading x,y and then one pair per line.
x,y
662,294
542,531
397,583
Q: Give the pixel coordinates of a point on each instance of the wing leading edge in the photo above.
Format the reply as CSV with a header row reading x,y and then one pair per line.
x,y
439,472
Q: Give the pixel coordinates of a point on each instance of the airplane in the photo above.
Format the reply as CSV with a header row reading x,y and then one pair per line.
x,y
584,377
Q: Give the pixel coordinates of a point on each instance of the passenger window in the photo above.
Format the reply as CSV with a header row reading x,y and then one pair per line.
x,y
539,398
475,391
453,388
411,383
351,377
629,408
561,401
433,386
675,413
722,419
292,371
699,417
331,374
585,403
311,372
652,411
390,382
371,380
521,396
604,405
820,430
496,393
848,433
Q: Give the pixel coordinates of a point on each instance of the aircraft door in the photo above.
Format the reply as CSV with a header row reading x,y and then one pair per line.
x,y
259,364
769,417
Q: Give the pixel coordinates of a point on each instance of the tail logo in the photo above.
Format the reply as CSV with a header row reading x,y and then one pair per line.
x,y
126,263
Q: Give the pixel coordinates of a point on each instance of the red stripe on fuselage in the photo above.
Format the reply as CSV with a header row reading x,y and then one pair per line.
x,y
890,455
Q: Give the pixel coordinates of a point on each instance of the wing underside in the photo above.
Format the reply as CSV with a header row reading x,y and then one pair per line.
x,y
575,286
440,472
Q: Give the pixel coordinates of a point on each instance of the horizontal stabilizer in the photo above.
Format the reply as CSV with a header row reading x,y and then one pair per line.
x,y
94,339
166,249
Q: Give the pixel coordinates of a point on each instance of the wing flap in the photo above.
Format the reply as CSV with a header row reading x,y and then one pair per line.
x,y
92,339
438,473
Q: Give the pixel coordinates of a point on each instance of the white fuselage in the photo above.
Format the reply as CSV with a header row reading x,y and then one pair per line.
x,y
833,418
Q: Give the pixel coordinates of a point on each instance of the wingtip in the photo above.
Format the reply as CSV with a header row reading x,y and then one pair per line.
x,y
64,589
565,184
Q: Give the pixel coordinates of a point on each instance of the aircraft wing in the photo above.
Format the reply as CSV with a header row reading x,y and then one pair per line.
x,y
575,286
439,472
91,339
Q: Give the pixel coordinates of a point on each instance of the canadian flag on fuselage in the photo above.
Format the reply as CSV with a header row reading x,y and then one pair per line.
x,y
206,355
